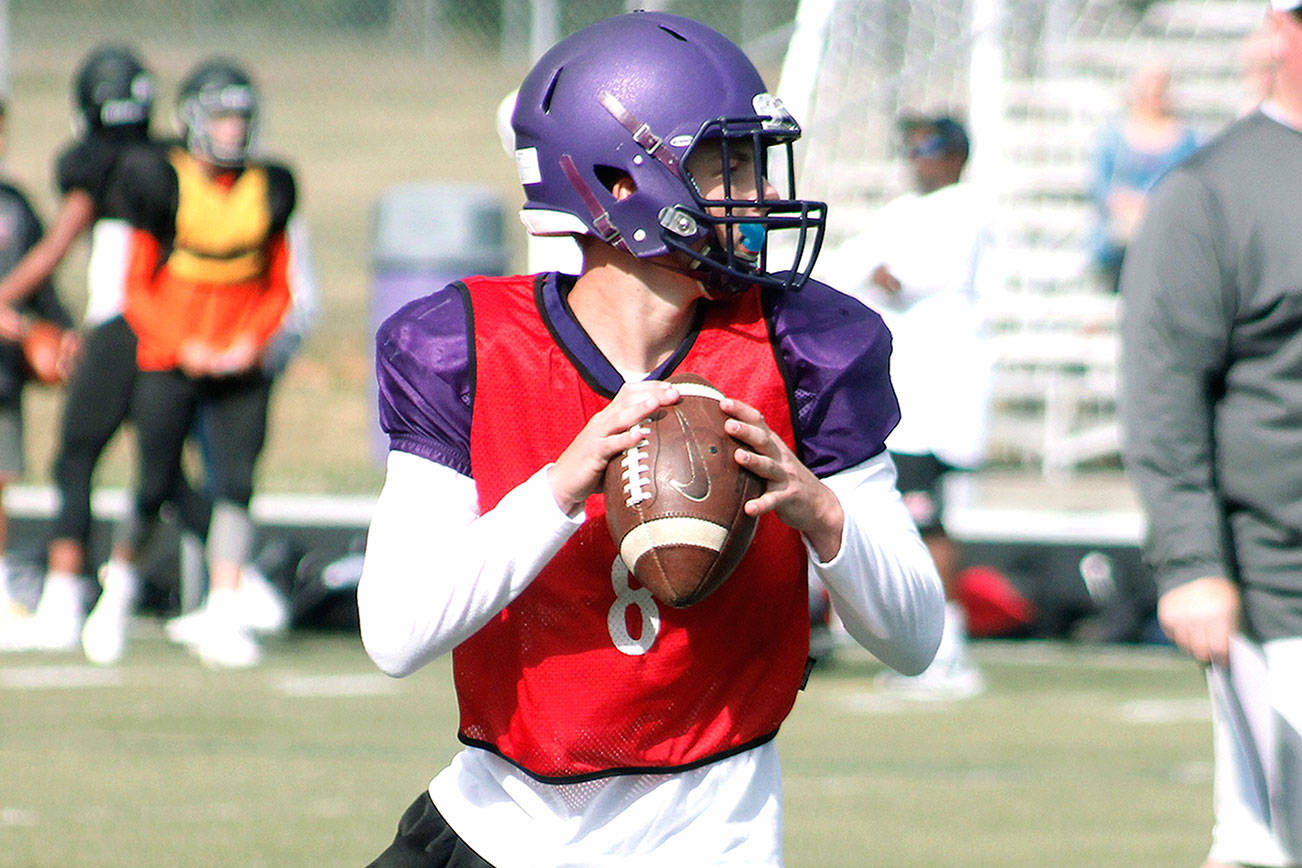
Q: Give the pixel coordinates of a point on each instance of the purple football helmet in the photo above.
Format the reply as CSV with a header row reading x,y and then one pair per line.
x,y
636,95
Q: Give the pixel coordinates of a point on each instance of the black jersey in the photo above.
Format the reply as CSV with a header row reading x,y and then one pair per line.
x,y
146,192
87,164
20,229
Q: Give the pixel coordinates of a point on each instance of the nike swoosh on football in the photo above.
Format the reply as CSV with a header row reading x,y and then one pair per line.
x,y
697,488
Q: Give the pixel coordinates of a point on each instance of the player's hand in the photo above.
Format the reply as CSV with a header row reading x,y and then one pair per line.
x,y
1201,616
581,468
195,359
12,324
69,353
239,357
791,490
884,280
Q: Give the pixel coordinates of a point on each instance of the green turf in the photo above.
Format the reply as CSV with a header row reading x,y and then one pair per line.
x,y
1075,756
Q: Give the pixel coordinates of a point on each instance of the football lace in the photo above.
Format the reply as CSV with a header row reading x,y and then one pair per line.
x,y
637,471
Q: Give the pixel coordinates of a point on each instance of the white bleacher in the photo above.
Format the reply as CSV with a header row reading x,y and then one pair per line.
x,y
1052,327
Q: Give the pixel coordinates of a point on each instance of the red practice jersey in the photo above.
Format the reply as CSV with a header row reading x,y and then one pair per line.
x,y
585,674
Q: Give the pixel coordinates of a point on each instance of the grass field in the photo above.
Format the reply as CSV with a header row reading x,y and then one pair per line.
x,y
1076,756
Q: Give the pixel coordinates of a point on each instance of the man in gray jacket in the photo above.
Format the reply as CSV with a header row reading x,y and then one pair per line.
x,y
1212,409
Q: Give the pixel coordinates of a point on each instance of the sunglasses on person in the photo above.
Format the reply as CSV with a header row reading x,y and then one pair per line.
x,y
931,146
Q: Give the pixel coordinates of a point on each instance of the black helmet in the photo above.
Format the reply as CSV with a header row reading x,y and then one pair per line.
x,y
217,87
113,91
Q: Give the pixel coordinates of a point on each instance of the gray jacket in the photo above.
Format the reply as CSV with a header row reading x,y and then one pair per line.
x,y
1211,365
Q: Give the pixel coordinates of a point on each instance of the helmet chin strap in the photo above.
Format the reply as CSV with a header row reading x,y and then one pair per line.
x,y
601,221
691,269
714,283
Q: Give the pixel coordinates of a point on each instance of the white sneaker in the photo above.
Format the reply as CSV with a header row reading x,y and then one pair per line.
x,y
13,622
187,629
54,626
104,637
216,633
942,680
263,608
228,646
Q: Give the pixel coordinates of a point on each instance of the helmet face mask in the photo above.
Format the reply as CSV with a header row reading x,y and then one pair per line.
x,y
214,92
112,91
727,172
637,96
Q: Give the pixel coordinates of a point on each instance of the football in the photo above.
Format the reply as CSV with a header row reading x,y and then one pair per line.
x,y
41,351
675,501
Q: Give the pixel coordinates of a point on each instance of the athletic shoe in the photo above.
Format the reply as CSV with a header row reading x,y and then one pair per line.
x,y
942,680
951,675
12,613
13,621
822,643
263,608
5,595
54,626
104,637
216,633
187,629
227,646
260,609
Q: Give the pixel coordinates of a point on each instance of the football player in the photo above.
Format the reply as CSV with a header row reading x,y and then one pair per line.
x,y
113,97
919,261
211,280
20,230
648,138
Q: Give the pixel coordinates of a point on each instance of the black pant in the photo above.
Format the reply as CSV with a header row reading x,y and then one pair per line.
x,y
165,405
97,402
425,840
921,479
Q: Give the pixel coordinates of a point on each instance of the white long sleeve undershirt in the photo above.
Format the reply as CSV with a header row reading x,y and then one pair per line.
x,y
436,571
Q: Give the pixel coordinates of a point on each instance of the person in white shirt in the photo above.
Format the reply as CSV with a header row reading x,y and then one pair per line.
x,y
918,263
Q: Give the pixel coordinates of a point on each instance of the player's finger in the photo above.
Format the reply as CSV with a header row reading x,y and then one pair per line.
x,y
759,438
633,406
1184,641
766,502
1178,631
759,464
1200,642
774,499
622,441
646,387
743,411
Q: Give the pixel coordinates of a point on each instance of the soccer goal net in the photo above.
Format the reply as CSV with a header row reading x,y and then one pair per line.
x,y
1035,81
